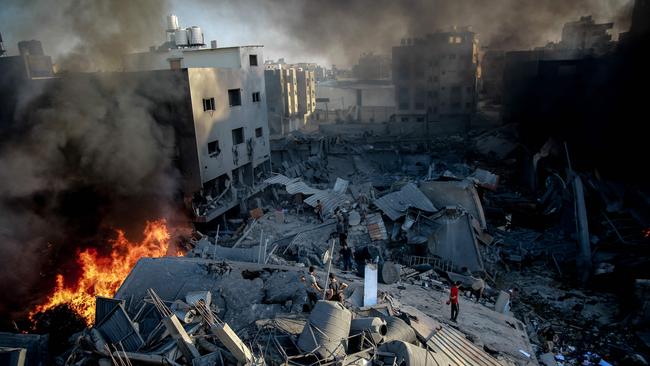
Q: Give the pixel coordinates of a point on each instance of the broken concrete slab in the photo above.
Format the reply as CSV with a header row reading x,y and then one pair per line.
x,y
453,239
454,193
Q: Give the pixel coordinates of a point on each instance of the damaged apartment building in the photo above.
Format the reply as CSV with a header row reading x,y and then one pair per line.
x,y
291,96
435,79
227,130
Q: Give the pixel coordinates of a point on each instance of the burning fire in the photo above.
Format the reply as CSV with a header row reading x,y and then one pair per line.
x,y
103,275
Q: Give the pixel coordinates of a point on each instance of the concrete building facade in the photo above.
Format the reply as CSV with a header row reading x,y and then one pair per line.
x,y
229,116
435,77
291,96
372,67
306,93
282,100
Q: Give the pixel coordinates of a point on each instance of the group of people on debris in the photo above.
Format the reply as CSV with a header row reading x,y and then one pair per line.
x,y
334,292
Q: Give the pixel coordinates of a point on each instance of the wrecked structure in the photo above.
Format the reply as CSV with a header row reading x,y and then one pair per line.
x,y
546,256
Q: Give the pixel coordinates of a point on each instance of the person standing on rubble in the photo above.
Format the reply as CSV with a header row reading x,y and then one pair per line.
x,y
345,215
335,289
345,253
453,301
319,211
478,286
313,282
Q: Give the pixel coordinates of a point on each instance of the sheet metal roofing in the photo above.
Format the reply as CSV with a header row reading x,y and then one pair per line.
x,y
395,204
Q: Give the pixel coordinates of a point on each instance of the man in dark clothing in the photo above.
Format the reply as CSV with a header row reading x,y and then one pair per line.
x,y
345,253
453,300
345,217
335,289
319,211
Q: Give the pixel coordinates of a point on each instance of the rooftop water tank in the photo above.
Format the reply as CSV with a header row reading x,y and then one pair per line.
x,y
181,38
195,36
33,47
172,22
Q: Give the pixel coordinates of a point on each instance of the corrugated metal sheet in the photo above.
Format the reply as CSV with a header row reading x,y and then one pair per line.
x,y
376,227
456,347
341,185
117,327
279,179
292,185
330,200
104,306
395,204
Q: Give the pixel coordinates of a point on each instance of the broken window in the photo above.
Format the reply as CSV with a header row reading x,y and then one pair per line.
x,y
405,119
420,119
213,148
208,104
234,97
258,132
238,136
253,60
256,97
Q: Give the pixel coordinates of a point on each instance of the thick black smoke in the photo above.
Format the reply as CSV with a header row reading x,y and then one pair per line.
x,y
84,153
340,30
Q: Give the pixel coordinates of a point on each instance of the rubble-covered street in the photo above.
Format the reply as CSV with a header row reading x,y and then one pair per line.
x,y
361,183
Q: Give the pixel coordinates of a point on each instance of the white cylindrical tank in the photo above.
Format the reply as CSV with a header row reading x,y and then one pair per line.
x,y
172,22
181,38
195,35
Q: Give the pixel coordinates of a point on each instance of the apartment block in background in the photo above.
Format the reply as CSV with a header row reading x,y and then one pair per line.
x,y
435,77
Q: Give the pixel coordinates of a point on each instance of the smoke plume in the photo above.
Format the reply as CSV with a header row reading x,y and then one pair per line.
x,y
83,154
340,30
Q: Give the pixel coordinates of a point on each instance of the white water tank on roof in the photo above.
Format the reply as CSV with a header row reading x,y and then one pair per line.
x,y
195,36
172,22
181,38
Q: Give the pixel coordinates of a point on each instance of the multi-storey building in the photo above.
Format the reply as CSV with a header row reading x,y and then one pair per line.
x,y
435,77
372,67
229,121
306,93
282,100
291,96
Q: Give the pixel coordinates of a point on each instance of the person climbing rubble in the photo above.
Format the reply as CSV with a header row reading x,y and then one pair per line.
x,y
345,255
453,301
313,280
311,290
335,289
319,211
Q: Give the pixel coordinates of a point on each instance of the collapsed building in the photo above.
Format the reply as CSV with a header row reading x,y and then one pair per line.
x,y
423,214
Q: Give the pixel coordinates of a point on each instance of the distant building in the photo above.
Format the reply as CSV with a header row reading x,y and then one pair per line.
x,y
435,77
492,65
282,100
26,71
229,117
306,93
587,36
372,67
291,95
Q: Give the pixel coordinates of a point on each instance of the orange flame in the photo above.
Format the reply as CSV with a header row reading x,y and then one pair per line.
x,y
103,275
